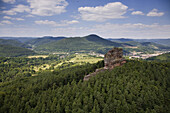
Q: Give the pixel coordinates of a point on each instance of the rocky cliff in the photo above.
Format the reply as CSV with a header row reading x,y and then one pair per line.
x,y
112,58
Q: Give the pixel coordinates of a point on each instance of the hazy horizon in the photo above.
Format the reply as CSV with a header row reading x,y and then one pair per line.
x,y
1,37
132,19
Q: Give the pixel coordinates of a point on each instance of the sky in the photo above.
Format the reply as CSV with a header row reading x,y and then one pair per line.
x,y
138,19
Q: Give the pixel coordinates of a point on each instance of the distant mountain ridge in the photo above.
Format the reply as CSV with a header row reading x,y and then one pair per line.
x,y
90,43
86,43
120,39
141,46
165,42
43,40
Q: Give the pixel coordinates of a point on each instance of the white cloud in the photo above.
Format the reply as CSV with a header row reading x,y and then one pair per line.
x,y
154,12
46,22
9,1
7,17
137,13
9,12
21,31
129,30
17,9
101,13
72,22
19,19
10,18
108,30
47,7
75,16
53,23
6,22
29,15
39,7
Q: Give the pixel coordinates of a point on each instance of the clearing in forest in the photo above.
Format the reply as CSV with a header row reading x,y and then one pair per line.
x,y
85,58
38,56
79,59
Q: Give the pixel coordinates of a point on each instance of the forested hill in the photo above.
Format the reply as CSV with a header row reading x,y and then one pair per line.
x,y
137,86
154,45
147,45
161,58
160,41
43,40
98,40
165,42
13,43
13,51
87,44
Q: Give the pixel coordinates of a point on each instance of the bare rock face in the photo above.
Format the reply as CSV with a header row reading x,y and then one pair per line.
x,y
112,58
87,77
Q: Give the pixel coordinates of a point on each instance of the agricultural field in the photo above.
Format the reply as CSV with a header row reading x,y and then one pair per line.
x,y
78,59
85,58
38,56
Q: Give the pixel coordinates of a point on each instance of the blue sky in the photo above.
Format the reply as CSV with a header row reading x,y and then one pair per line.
x,y
106,18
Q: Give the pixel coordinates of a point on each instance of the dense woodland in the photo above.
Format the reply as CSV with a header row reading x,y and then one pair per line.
x,y
12,47
15,43
78,44
18,67
14,51
137,86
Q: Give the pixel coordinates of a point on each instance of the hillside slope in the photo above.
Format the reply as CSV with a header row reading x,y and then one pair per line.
x,y
165,42
78,44
135,87
13,51
145,47
43,40
101,41
13,43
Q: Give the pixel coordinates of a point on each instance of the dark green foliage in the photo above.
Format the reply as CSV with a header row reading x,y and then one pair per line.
x,y
90,43
43,40
13,51
13,43
78,44
164,42
98,40
154,45
18,67
137,86
144,46
161,58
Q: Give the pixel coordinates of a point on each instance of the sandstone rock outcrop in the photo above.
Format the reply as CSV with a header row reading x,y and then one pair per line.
x,y
112,58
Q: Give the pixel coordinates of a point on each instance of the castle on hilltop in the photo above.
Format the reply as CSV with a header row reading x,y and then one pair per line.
x,y
112,58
